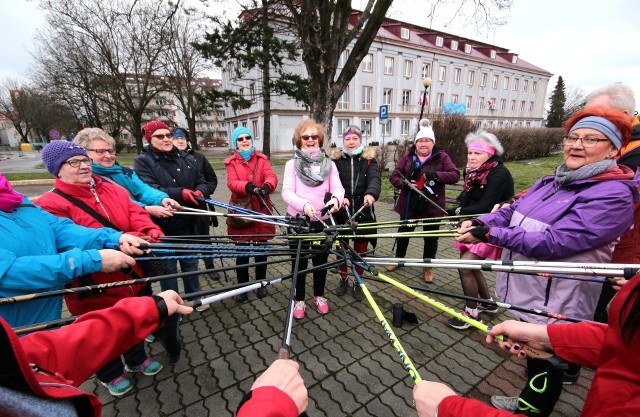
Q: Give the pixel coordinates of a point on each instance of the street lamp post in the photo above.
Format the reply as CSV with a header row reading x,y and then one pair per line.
x,y
427,83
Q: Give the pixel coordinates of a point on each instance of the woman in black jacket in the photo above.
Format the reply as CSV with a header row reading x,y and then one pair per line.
x,y
486,182
165,167
360,177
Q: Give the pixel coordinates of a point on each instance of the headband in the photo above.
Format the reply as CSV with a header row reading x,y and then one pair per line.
x,y
603,126
482,147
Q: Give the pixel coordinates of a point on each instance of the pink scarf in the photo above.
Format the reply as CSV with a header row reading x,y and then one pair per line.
x,y
9,199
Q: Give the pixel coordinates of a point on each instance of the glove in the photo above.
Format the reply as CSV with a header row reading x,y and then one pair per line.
x,y
432,178
452,212
188,196
155,233
481,233
250,188
198,193
265,190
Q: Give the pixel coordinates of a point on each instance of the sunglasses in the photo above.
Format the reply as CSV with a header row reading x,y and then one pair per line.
x,y
165,136
243,138
312,137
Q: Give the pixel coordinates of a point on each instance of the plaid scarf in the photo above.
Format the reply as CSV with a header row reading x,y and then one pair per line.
x,y
478,176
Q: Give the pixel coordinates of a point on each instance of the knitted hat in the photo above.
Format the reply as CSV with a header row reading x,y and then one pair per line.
x,y
58,151
150,128
237,132
180,133
426,131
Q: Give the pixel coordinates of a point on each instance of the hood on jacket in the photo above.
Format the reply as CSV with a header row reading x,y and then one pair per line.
x,y
367,153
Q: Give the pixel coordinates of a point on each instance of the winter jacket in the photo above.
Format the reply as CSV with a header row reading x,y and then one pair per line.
x,y
359,176
480,199
140,193
41,252
172,172
239,174
53,364
578,222
615,389
296,194
113,204
440,165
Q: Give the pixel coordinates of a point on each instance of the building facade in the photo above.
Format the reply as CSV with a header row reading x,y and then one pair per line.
x,y
494,86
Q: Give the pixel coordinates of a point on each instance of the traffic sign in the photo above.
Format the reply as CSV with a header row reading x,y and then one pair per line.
x,y
54,134
384,112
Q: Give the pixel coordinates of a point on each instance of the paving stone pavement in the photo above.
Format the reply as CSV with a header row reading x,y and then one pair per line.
x,y
346,360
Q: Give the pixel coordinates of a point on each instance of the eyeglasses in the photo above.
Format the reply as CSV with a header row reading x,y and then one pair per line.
x,y
587,141
312,137
165,136
243,138
75,163
102,151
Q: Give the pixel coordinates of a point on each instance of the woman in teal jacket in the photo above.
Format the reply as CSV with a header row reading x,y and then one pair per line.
x,y
40,252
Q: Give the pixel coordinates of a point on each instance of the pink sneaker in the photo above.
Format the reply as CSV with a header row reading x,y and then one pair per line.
x,y
321,304
298,309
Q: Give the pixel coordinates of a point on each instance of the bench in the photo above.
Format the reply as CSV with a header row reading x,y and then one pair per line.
x,y
452,192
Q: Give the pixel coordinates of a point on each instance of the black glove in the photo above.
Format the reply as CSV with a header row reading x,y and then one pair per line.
x,y
481,233
432,178
452,212
250,188
265,190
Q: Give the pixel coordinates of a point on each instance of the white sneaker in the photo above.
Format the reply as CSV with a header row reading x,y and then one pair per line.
x,y
202,308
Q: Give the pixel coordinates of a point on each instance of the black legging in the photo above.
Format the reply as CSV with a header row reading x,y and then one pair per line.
x,y
132,357
319,276
430,243
243,273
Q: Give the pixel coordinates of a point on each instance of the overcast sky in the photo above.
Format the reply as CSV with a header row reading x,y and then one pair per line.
x,y
589,43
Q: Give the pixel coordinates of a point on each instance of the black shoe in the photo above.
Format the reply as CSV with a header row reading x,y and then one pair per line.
x,y
456,323
342,287
570,379
241,298
356,292
214,276
487,308
262,292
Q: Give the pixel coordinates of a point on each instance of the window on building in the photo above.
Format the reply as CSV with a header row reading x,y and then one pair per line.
x,y
500,125
454,45
457,72
386,128
366,97
442,73
513,105
343,101
388,65
467,48
408,68
342,125
481,103
365,125
367,63
525,85
405,126
503,104
531,107
522,106
406,100
493,103
387,94
343,58
404,33
516,84
514,59
469,101
496,78
252,92
426,69
254,130
439,40
471,77
493,54
439,100
483,79
527,124
241,92
505,83
534,86
454,98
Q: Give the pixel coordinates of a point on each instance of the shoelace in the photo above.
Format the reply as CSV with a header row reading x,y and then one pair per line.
x,y
321,301
118,380
299,305
147,363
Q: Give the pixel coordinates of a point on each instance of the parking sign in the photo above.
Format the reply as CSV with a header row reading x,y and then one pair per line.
x,y
384,112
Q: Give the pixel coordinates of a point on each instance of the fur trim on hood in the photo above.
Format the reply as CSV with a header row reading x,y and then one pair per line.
x,y
367,153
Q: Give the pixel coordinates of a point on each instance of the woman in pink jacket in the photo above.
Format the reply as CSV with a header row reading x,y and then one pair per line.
x,y
308,178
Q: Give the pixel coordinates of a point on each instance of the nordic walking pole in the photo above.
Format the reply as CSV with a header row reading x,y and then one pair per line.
x,y
285,348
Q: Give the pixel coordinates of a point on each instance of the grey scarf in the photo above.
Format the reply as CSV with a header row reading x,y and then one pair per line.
x,y
312,170
565,175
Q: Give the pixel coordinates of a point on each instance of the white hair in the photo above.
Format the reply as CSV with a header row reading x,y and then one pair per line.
x,y
89,134
486,137
621,97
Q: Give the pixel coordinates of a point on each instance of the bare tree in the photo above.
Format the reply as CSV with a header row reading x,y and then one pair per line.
x,y
15,103
575,99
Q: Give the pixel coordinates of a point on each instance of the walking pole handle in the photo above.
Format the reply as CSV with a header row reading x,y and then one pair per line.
x,y
284,353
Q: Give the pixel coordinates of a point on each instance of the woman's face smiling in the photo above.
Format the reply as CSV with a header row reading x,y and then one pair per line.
x,y
310,139
577,155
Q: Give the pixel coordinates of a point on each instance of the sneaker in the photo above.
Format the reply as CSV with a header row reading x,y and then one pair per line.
x,y
119,386
240,298
321,304
488,308
214,276
148,367
342,287
151,338
456,323
505,403
570,379
298,309
202,308
356,292
262,292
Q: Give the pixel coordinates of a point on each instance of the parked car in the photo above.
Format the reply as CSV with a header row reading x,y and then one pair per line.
x,y
214,142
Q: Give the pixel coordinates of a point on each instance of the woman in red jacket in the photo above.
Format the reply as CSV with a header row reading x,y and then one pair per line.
x,y
249,175
104,205
612,350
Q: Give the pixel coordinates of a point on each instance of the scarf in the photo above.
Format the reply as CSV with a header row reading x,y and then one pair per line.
x,y
312,170
103,171
355,152
246,154
478,176
565,175
9,199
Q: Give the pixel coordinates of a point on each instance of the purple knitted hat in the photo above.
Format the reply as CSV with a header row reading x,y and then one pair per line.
x,y
58,151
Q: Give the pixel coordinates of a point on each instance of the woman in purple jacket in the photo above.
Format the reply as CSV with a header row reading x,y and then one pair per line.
x,y
308,178
429,168
576,215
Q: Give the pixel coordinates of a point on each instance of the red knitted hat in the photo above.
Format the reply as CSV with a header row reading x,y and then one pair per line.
x,y
150,128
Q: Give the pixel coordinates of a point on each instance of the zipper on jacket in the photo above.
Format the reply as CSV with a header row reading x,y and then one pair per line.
x,y
100,203
551,195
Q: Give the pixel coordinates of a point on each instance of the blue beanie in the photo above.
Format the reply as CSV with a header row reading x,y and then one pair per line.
x,y
58,151
180,133
237,132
